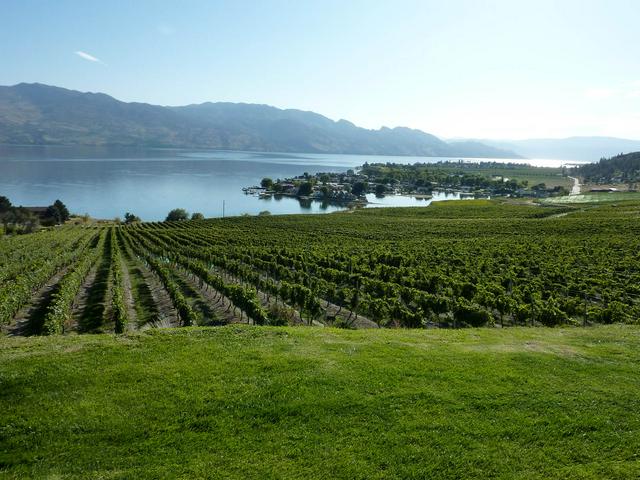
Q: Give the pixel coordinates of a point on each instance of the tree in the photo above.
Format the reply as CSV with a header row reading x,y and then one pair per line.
x,y
266,183
131,218
380,190
197,216
264,213
5,204
305,189
358,188
177,214
57,212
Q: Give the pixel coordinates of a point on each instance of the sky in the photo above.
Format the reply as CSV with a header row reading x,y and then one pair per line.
x,y
502,69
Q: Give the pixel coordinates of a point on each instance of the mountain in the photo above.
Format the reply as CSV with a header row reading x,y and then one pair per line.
x,y
586,149
36,114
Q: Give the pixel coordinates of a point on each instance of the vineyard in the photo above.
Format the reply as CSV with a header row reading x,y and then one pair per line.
x,y
389,395
454,264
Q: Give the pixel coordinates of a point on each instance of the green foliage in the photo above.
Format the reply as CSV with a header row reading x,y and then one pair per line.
x,y
57,212
59,309
469,263
185,312
130,218
624,168
501,178
358,188
472,314
454,263
305,189
118,307
177,214
17,219
5,204
27,262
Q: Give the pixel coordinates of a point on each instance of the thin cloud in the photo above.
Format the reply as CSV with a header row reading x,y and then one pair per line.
x,y
88,56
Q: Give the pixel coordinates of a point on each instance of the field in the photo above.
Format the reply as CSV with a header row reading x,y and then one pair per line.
x,y
453,264
240,402
550,176
212,353
595,197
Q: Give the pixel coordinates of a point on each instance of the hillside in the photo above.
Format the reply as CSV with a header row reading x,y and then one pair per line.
x,y
35,114
619,169
244,402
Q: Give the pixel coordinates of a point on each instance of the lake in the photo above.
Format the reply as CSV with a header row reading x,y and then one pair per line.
x,y
107,182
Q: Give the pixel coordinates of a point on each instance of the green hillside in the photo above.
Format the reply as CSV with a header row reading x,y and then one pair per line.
x,y
623,168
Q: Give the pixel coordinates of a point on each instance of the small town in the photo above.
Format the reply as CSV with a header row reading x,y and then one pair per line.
x,y
352,186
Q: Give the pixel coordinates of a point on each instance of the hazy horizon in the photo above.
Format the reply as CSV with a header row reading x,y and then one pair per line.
x,y
502,70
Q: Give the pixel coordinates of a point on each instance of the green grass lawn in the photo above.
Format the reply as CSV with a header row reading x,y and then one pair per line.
x,y
249,402
550,176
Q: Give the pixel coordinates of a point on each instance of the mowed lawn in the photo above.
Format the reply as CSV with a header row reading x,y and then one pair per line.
x,y
248,402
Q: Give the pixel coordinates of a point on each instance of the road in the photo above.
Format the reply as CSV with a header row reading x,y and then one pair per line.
x,y
575,190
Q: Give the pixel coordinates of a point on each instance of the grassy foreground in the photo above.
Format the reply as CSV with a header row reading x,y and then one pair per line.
x,y
248,402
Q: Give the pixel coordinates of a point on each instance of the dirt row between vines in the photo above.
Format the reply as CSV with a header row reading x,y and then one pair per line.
x,y
221,305
128,295
167,314
81,300
30,318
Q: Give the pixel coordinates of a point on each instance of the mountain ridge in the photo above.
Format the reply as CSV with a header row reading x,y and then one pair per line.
x,y
39,114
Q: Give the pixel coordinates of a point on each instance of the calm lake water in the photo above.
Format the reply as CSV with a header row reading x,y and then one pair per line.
x,y
107,182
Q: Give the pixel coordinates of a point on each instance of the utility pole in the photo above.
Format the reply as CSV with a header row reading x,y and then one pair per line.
x,y
222,208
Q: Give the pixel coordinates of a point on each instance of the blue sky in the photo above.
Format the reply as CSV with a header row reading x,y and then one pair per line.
x,y
483,69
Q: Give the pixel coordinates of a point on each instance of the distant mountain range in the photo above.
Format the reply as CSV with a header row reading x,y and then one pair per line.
x,y
586,149
36,114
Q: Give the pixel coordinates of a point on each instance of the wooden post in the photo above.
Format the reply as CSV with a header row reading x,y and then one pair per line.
x,y
586,312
